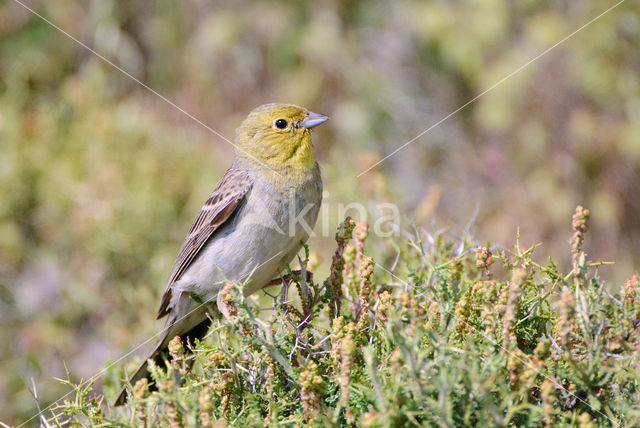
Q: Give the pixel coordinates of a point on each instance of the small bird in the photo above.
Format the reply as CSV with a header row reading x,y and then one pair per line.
x,y
252,225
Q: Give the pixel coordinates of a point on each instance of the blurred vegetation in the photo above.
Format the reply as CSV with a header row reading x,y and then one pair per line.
x,y
474,337
100,178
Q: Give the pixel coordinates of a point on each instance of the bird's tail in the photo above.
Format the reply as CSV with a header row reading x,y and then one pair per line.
x,y
159,355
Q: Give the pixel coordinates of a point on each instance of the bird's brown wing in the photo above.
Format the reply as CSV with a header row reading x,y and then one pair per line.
x,y
224,200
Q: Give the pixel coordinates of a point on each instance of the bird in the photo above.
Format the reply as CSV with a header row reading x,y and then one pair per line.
x,y
256,220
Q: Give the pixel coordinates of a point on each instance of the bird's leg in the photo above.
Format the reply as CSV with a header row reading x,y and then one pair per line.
x,y
284,292
288,278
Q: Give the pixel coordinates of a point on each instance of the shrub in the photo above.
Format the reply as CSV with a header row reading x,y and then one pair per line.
x,y
475,335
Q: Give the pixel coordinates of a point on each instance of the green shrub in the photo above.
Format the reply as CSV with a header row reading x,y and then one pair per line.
x,y
474,336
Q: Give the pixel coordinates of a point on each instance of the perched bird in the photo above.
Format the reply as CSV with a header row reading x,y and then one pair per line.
x,y
252,225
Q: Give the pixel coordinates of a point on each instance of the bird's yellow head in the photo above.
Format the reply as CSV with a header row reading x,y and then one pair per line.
x,y
277,135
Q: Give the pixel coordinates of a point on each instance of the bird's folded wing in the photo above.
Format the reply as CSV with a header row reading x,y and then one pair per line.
x,y
222,203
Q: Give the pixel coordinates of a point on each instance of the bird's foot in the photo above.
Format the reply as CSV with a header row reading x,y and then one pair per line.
x,y
288,278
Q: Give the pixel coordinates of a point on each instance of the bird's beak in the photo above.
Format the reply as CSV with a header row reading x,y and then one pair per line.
x,y
313,119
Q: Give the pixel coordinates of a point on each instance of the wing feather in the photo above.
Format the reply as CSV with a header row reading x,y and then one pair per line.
x,y
224,200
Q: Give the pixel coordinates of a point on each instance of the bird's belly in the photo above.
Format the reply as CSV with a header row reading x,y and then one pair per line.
x,y
251,250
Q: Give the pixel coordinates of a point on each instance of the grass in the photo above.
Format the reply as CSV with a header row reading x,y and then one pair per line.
x,y
453,334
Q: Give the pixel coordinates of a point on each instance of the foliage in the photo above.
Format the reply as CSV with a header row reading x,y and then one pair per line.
x,y
476,336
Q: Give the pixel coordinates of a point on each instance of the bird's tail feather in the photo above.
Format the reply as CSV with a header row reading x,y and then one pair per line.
x,y
158,356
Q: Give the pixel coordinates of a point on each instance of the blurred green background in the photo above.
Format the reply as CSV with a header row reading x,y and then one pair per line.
x,y
100,178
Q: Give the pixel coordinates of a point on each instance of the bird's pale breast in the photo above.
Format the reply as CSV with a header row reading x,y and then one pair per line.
x,y
255,244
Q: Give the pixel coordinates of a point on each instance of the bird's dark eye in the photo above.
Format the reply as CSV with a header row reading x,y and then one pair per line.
x,y
281,123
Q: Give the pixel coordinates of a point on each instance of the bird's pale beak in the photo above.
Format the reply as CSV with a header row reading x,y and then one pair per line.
x,y
313,119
